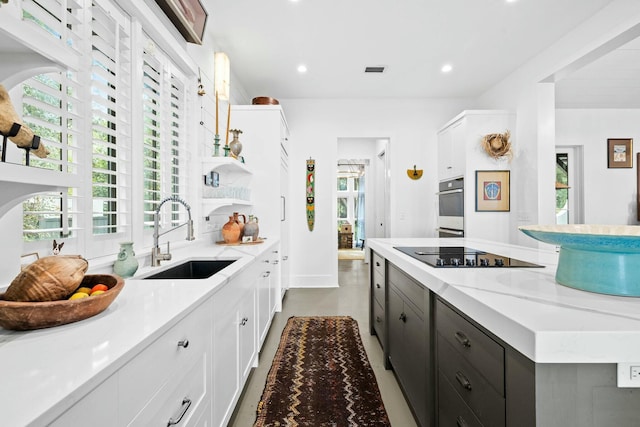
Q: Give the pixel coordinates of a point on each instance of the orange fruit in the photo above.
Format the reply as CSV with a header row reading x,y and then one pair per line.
x,y
99,287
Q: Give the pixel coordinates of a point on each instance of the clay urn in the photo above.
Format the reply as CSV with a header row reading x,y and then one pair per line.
x,y
231,231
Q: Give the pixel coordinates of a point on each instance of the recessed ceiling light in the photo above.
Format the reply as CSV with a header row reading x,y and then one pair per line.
x,y
446,68
302,68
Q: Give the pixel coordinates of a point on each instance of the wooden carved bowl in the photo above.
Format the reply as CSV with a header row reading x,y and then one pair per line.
x,y
264,100
24,316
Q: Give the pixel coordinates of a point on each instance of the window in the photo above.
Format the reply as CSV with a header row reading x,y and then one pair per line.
x,y
110,103
55,107
50,105
342,207
164,136
342,184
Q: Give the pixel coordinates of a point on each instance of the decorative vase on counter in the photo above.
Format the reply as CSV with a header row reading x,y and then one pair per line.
x,y
235,145
252,228
236,218
126,264
231,231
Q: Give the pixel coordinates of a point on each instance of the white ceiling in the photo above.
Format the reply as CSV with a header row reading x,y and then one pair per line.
x,y
484,41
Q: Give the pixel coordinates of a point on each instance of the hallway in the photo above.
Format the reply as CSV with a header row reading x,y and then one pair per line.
x,y
350,299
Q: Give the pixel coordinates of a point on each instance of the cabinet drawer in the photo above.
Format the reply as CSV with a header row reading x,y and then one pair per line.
x,y
487,403
478,349
143,376
452,411
379,321
378,288
182,398
413,291
378,264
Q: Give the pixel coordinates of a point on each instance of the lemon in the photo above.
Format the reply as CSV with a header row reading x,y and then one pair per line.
x,y
98,292
79,295
84,289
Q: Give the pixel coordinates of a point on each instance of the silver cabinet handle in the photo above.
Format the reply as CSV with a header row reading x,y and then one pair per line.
x,y
266,274
183,343
276,262
186,402
284,258
377,264
378,285
244,321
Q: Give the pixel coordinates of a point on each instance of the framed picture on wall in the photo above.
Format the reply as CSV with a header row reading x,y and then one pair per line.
x,y
492,191
619,153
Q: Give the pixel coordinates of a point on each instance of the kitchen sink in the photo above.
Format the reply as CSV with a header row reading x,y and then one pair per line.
x,y
192,269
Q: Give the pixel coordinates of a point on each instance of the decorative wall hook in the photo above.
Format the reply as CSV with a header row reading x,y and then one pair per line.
x,y
414,173
201,91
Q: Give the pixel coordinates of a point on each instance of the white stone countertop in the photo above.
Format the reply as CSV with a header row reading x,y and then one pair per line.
x,y
46,371
525,307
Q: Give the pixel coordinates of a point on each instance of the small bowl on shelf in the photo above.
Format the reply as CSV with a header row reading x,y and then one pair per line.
x,y
24,316
603,259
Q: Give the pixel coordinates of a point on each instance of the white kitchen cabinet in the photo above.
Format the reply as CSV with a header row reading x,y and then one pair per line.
x,y
265,142
173,369
168,380
268,295
99,406
234,336
451,153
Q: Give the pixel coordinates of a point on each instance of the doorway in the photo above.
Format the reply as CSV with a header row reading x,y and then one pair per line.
x,y
569,180
351,207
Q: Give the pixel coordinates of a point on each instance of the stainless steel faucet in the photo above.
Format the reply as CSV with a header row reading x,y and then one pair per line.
x,y
156,252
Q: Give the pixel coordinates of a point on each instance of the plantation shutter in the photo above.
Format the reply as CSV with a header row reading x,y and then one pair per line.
x,y
111,109
164,135
50,107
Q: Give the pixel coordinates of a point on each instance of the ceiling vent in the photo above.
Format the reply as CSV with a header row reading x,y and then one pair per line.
x,y
374,70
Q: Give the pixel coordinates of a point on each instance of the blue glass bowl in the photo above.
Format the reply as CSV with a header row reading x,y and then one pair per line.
x,y
597,258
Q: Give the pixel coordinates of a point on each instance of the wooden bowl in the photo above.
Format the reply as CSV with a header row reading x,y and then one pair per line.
x,y
264,100
24,316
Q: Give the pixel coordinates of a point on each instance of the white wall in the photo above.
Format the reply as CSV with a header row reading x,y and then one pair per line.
x,y
609,194
316,126
529,92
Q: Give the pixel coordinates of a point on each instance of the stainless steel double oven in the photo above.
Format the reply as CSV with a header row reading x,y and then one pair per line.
x,y
451,208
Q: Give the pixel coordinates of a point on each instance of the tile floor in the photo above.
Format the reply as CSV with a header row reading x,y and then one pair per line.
x,y
351,299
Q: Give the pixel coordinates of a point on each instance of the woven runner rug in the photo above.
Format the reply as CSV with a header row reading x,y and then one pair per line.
x,y
320,377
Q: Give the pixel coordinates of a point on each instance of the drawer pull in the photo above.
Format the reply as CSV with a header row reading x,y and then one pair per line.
x,y
463,380
244,321
183,343
186,402
403,317
460,422
462,339
266,274
377,264
378,319
378,285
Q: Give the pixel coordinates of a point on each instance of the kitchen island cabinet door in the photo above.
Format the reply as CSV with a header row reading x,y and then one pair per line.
x,y
409,349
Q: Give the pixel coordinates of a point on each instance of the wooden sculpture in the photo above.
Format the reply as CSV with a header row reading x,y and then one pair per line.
x,y
11,126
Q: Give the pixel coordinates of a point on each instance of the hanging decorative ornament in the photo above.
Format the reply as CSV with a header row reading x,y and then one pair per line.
x,y
311,172
414,173
497,145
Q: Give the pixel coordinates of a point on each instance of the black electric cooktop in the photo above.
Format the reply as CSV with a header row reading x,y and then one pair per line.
x,y
461,257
